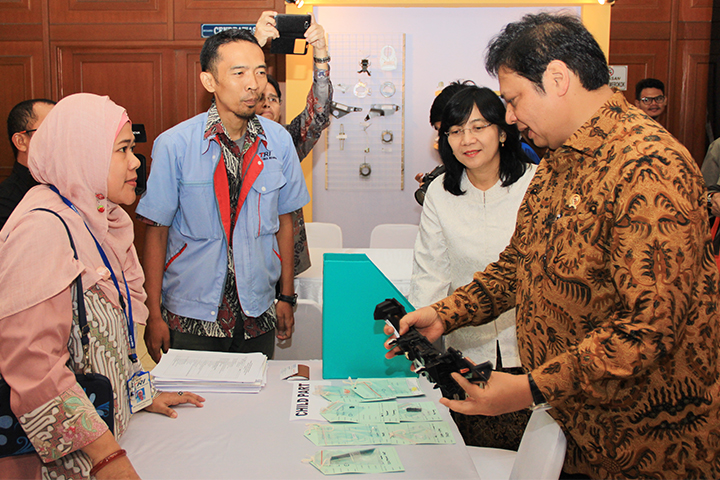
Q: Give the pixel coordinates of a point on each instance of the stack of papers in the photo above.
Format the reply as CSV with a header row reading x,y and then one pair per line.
x,y
210,372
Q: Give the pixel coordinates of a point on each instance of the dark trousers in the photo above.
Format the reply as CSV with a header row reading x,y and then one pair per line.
x,y
264,343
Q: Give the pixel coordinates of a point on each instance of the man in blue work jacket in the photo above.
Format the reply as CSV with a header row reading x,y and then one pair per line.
x,y
218,204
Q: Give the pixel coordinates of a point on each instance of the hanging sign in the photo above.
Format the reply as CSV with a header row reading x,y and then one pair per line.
x,y
210,29
618,76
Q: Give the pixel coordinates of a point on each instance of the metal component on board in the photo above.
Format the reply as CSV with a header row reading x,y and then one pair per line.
x,y
387,89
384,110
361,90
365,169
339,110
388,58
364,64
342,136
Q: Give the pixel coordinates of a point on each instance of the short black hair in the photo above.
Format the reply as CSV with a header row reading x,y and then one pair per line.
x,y
438,105
20,118
271,80
209,52
527,47
513,160
648,83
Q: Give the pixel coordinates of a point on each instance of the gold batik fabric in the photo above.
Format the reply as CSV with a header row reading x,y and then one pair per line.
x,y
612,274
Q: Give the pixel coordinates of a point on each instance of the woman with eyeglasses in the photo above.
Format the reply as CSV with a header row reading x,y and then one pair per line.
x,y
468,218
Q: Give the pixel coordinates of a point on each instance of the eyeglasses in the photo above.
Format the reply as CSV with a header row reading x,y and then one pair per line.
x,y
648,100
272,99
29,132
457,133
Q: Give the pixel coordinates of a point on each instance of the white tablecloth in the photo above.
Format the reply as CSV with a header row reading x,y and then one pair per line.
x,y
395,263
249,436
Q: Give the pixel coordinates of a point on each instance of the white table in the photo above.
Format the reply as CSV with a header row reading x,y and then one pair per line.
x,y
249,436
395,263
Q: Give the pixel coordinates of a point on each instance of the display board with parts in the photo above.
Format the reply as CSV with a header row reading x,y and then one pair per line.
x,y
365,140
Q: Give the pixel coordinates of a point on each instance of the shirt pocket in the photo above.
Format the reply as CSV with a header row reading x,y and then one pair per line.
x,y
198,216
264,202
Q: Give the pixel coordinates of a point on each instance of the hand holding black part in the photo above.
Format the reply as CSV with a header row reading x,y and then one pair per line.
x,y
428,361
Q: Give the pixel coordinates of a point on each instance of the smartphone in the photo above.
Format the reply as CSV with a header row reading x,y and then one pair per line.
x,y
292,34
292,25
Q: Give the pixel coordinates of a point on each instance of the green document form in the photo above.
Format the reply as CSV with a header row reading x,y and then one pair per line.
x,y
381,412
370,390
375,412
378,389
368,460
437,433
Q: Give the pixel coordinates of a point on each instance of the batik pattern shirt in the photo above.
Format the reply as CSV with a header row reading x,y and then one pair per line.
x,y
229,309
305,130
612,275
63,425
307,127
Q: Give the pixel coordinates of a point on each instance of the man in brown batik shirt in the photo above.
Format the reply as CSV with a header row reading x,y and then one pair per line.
x,y
610,269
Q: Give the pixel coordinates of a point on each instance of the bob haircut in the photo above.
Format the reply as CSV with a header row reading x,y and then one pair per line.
x,y
513,161
438,105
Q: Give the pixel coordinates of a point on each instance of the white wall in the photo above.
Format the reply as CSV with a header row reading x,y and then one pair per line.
x,y
442,45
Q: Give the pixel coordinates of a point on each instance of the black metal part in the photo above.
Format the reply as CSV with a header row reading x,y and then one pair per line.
x,y
426,181
430,362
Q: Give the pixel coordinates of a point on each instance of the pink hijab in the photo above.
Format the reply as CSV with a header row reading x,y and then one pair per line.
x,y
71,150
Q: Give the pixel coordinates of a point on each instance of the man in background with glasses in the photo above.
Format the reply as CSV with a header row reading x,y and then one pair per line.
x,y
650,97
23,120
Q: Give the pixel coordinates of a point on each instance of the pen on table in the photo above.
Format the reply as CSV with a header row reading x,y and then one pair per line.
x,y
350,454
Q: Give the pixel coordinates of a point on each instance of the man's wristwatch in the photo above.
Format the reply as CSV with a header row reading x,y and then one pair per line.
x,y
291,299
539,402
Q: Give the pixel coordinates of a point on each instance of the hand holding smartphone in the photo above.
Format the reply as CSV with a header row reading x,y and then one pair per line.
x,y
292,34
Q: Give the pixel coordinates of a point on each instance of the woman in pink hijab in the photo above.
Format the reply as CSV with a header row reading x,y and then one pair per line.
x,y
82,156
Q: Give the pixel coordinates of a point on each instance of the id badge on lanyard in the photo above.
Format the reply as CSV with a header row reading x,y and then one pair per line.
x,y
139,391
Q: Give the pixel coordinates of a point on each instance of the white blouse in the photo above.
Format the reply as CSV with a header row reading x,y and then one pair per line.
x,y
460,235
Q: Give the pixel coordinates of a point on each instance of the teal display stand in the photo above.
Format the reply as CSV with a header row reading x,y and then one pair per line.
x,y
352,338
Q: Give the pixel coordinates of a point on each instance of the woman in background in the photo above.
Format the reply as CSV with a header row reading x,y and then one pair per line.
x,y
468,218
82,156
